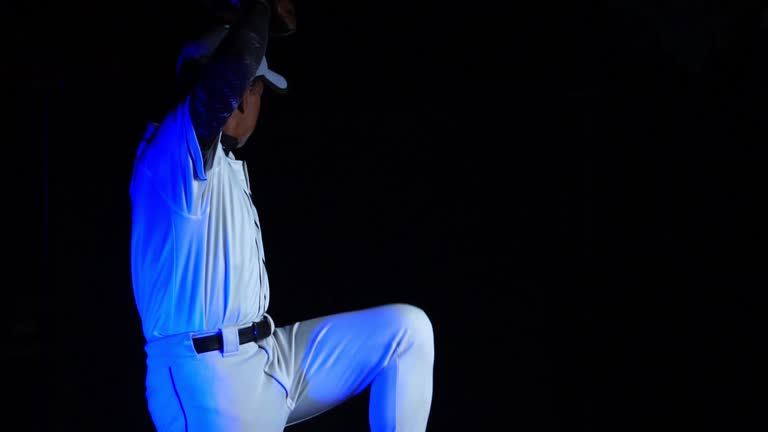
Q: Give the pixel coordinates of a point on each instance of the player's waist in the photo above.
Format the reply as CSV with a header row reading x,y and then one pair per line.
x,y
225,340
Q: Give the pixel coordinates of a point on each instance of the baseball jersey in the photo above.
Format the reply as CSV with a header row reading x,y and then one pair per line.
x,y
197,258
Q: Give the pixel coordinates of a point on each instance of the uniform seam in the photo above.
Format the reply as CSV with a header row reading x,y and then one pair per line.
x,y
178,398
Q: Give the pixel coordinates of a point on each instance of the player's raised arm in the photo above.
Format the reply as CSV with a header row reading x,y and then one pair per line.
x,y
224,77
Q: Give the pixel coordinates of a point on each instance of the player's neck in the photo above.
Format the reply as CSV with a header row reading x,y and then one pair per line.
x,y
228,143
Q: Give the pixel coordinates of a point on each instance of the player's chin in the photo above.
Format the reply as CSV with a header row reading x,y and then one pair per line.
x,y
244,140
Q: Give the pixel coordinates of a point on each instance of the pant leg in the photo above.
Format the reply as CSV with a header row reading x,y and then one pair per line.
x,y
333,358
211,392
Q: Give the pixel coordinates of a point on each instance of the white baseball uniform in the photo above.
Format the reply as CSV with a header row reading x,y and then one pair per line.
x,y
198,268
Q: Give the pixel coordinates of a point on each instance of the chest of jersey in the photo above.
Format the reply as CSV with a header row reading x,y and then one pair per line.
x,y
234,252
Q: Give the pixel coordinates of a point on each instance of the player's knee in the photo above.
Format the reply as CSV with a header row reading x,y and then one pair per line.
x,y
417,325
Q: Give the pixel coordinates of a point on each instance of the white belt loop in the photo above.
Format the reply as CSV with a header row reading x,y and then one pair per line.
x,y
231,341
271,324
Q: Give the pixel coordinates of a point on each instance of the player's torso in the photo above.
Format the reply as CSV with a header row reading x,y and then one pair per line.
x,y
235,277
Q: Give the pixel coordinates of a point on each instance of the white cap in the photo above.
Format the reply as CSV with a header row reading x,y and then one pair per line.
x,y
273,78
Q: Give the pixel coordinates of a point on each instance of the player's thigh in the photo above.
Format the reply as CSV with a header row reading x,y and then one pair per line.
x,y
333,358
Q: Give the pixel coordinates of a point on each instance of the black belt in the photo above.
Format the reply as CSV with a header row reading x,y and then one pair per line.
x,y
252,333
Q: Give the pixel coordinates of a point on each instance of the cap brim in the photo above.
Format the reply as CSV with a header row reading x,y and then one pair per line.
x,y
276,81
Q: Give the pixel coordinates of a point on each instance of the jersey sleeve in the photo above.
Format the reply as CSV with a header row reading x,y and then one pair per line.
x,y
169,163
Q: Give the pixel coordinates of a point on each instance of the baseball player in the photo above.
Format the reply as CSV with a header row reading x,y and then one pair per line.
x,y
215,359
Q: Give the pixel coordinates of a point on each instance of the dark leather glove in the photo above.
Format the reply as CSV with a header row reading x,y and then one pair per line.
x,y
283,13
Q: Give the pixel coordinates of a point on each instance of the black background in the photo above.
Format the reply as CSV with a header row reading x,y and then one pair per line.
x,y
573,192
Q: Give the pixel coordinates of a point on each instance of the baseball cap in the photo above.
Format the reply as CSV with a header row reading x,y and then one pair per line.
x,y
272,78
200,50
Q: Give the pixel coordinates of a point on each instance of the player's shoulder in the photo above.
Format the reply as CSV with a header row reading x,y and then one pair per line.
x,y
161,130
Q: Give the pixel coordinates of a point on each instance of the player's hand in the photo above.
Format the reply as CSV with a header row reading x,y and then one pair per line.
x,y
282,23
